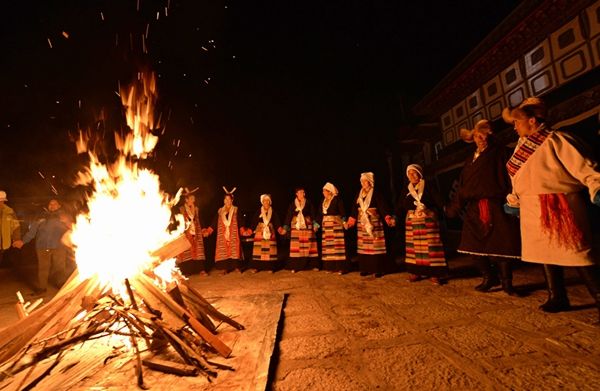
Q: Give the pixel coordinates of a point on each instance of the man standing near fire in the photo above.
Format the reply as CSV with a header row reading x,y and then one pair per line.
x,y
51,252
10,229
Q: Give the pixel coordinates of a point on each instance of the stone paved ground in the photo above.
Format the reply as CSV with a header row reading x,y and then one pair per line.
x,y
360,333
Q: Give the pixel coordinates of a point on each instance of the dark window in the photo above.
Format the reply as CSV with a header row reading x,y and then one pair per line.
x,y
473,102
460,112
492,89
566,38
537,56
510,76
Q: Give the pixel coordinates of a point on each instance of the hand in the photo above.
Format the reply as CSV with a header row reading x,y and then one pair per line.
x,y
351,222
510,210
390,221
17,244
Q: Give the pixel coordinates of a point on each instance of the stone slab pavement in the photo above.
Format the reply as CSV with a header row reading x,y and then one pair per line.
x,y
361,333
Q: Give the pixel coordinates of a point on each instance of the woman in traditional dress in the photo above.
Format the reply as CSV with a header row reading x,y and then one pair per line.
x,y
267,223
331,217
300,222
424,249
193,260
488,234
228,251
370,211
549,169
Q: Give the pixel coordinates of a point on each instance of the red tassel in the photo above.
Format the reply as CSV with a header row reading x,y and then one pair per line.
x,y
484,214
558,221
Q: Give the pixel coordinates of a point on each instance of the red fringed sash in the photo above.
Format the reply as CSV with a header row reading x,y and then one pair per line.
x,y
484,214
558,221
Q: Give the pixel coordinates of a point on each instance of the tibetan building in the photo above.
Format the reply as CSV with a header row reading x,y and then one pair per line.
x,y
545,48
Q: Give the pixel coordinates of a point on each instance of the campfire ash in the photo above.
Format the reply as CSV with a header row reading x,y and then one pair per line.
x,y
127,286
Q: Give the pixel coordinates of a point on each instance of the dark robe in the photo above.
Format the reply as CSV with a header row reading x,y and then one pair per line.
x,y
482,189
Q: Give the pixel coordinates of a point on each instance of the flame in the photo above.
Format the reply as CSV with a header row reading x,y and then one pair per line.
x,y
128,214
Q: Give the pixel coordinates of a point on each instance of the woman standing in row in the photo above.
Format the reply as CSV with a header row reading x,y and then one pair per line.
x,y
300,222
424,249
228,251
370,211
331,219
267,223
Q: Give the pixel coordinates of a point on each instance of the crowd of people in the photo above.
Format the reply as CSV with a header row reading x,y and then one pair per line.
x,y
521,205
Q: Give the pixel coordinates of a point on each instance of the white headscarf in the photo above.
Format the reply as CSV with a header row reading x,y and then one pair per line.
x,y
330,187
369,176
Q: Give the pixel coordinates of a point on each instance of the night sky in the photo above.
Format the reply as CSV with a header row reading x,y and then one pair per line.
x,y
262,95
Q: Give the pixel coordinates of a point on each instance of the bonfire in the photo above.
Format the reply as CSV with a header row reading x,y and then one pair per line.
x,y
126,286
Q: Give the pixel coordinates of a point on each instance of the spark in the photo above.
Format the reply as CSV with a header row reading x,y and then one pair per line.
x,y
42,175
138,6
65,34
178,143
50,43
79,103
166,11
192,120
102,16
205,49
147,29
54,189
157,15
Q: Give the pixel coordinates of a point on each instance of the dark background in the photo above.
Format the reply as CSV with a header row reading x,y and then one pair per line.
x,y
262,95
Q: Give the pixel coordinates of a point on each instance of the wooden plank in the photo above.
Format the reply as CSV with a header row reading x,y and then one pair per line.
x,y
184,314
171,367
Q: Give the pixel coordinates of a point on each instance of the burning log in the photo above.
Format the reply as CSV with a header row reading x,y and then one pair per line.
x,y
87,310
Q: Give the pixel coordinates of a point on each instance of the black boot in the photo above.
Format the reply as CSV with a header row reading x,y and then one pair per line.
x,y
557,293
490,279
591,277
506,276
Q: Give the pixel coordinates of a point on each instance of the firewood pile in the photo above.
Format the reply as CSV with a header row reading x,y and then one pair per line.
x,y
154,317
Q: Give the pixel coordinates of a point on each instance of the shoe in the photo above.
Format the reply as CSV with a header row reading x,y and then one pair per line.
x,y
490,279
413,278
378,275
557,293
487,284
435,281
508,288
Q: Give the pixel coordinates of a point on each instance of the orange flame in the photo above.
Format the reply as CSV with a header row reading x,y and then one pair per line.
x,y
128,214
